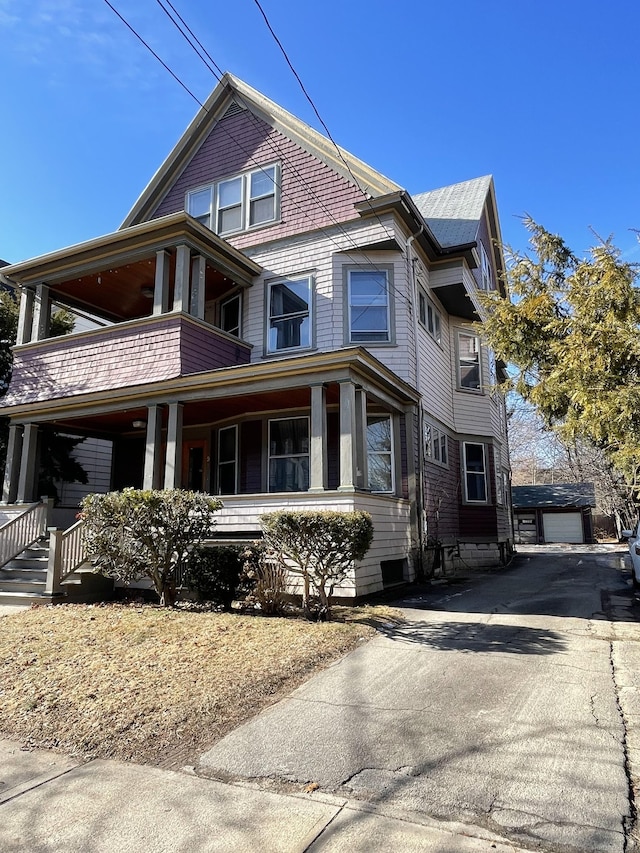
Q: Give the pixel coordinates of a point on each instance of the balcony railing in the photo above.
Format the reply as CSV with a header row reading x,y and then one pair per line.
x,y
124,355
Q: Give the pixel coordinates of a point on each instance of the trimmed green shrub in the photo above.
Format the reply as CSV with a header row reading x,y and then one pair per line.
x,y
140,533
320,546
214,572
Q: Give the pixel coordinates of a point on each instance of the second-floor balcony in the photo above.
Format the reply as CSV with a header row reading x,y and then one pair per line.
x,y
124,355
152,302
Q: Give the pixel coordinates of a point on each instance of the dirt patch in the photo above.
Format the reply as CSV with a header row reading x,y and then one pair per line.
x,y
153,685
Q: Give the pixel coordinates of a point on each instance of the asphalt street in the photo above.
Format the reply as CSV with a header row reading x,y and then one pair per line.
x,y
506,703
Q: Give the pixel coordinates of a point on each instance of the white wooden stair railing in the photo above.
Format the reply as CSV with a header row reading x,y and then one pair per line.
x,y
24,530
66,554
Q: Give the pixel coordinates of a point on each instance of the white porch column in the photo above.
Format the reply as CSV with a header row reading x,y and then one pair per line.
x,y
347,436
25,318
152,448
362,464
12,466
318,440
26,480
41,313
173,463
161,285
181,285
198,272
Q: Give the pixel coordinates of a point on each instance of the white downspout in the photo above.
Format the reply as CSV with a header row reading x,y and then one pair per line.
x,y
421,509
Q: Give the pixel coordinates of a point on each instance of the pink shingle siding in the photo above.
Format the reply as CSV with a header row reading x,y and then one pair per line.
x,y
313,195
121,356
202,349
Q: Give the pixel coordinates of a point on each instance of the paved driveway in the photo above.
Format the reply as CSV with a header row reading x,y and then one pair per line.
x,y
496,705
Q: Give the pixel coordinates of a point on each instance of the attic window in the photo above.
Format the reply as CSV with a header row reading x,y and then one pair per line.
x,y
238,203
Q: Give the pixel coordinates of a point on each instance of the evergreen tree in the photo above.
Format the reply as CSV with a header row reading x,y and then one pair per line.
x,y
571,333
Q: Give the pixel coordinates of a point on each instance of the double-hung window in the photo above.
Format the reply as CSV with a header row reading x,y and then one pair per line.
x,y
369,306
289,455
475,472
469,362
380,453
435,444
289,310
430,316
239,202
228,460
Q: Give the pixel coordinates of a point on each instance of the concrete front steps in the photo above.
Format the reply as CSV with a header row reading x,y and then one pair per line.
x,y
23,581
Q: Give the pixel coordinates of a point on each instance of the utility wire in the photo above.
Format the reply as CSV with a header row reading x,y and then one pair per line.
x,y
315,109
202,52
218,73
215,69
151,50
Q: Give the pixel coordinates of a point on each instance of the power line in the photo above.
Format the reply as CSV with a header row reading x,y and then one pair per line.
x,y
278,151
215,69
315,109
151,50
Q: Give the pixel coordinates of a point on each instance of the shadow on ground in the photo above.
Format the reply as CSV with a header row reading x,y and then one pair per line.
x,y
474,637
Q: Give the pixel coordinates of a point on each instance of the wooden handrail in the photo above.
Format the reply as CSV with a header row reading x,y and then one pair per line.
x,y
23,530
66,554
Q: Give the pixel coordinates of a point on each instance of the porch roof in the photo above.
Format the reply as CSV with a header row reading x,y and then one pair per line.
x,y
128,244
279,376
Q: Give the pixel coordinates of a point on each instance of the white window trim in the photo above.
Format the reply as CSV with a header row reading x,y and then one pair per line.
x,y
271,456
390,453
486,272
310,313
485,457
387,269
433,436
436,331
497,471
228,299
245,200
229,462
460,387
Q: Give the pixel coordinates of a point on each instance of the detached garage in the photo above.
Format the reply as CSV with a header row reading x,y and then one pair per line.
x,y
557,513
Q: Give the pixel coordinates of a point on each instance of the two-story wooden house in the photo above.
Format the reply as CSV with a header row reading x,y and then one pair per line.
x,y
277,323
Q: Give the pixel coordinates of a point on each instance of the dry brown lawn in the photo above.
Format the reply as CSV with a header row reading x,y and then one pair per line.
x,y
154,685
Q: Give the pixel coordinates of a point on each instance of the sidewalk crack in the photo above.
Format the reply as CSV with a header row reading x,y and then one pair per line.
x,y
629,821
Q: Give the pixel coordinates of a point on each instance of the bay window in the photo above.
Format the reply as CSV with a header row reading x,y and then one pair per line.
x,y
468,362
435,444
289,314
369,305
228,460
475,472
289,455
380,453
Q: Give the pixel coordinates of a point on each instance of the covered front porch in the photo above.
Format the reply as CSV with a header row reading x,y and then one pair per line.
x,y
328,430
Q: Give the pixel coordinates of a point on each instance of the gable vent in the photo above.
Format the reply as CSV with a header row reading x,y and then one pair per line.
x,y
233,110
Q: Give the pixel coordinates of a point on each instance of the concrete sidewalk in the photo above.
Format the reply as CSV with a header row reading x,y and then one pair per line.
x,y
51,803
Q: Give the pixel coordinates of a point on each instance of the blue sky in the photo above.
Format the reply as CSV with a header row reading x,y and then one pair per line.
x,y
543,94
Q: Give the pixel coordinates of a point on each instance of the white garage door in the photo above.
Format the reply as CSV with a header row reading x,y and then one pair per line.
x,y
562,527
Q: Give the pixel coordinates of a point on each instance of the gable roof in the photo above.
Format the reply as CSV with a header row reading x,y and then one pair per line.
x,y
232,94
559,495
453,213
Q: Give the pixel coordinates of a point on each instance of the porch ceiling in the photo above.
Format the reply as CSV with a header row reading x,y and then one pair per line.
x,y
198,412
125,260
125,292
